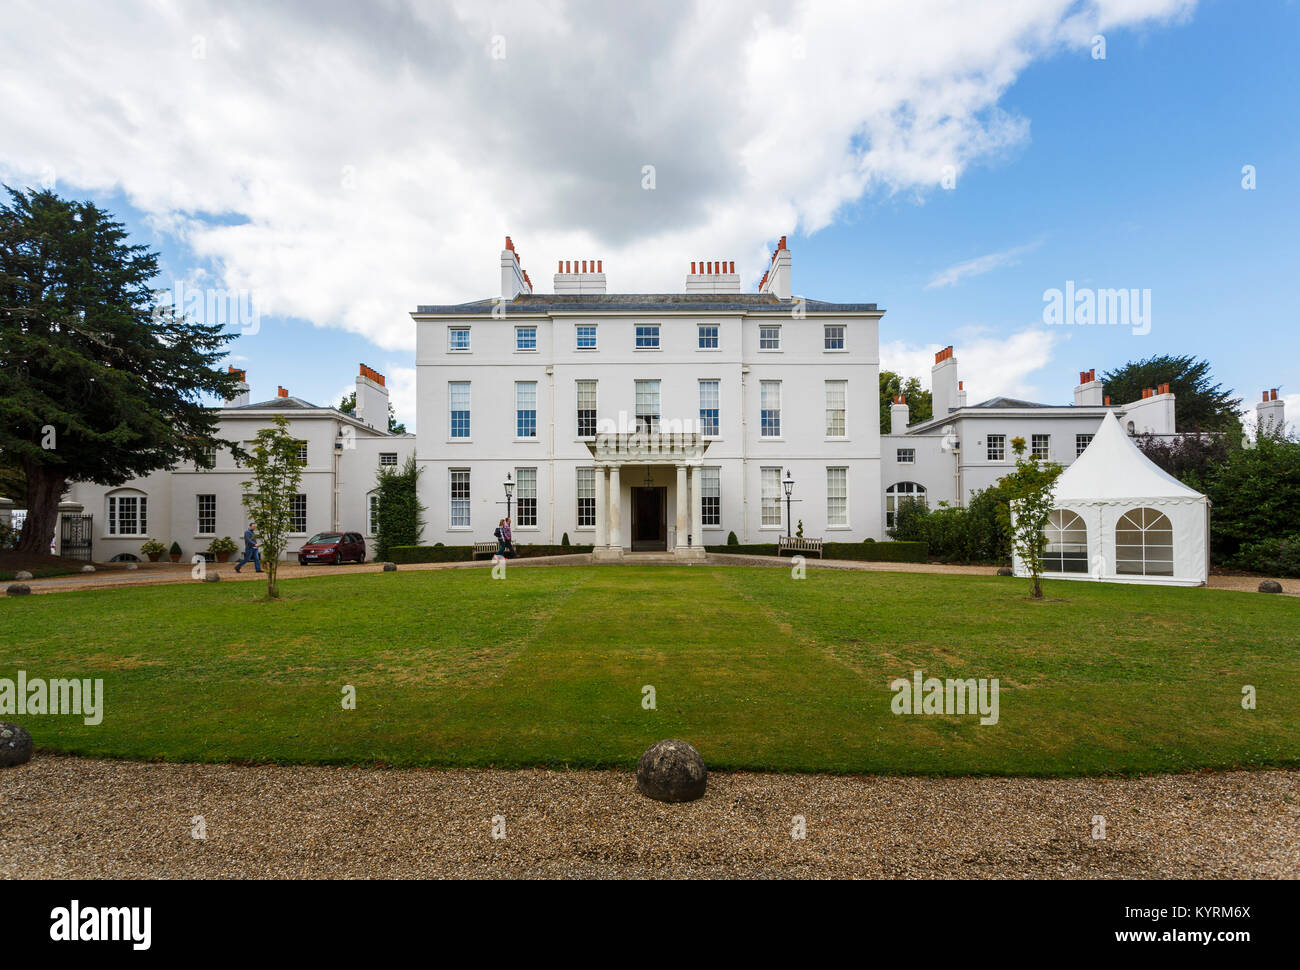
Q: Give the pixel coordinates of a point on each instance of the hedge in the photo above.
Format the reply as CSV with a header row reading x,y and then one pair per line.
x,y
416,554
860,551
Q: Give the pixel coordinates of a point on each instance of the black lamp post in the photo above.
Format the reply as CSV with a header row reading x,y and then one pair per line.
x,y
788,484
509,486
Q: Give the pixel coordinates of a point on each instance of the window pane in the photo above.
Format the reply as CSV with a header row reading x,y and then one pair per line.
x,y
834,338
836,395
709,397
837,496
526,409
711,496
771,505
587,497
647,405
586,400
708,337
770,404
526,493
460,499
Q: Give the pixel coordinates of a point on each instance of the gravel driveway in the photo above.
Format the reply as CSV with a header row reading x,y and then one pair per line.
x,y
71,817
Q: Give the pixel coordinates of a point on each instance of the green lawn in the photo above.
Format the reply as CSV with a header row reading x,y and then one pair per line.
x,y
757,670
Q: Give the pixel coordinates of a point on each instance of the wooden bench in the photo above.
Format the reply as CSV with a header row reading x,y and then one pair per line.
x,y
798,544
488,548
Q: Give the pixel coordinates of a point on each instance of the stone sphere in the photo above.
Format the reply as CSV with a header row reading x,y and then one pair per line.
x,y
671,771
22,575
15,745
87,569
1270,586
1005,571
18,589
390,567
132,565
211,578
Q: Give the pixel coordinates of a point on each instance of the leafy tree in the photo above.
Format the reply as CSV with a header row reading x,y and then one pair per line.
x,y
348,405
1190,458
1254,496
1030,489
98,381
400,514
1199,403
919,402
268,497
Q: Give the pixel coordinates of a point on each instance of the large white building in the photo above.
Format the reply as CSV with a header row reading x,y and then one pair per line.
x,y
649,421
630,422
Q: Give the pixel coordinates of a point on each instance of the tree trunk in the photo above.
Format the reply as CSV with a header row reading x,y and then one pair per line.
x,y
45,487
1038,588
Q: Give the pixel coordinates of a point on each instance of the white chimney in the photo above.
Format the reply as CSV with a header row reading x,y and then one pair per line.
x,y
1270,414
713,277
241,390
961,394
898,415
372,399
580,276
513,278
777,278
1090,393
945,389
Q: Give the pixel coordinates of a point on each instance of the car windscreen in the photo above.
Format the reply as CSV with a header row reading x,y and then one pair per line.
x,y
324,538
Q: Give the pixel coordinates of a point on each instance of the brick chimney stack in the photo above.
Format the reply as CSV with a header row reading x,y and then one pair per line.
x,y
776,280
372,398
580,276
1270,413
899,415
1090,392
514,280
713,276
944,386
240,398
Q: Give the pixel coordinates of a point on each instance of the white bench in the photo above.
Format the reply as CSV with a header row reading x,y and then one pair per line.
x,y
488,548
798,544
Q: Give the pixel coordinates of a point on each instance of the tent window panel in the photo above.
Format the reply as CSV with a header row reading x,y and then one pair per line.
x,y
1067,543
1144,544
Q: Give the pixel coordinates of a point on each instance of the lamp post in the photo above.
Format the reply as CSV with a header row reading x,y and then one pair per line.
x,y
788,484
509,486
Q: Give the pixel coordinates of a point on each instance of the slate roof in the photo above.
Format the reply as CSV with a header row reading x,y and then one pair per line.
x,y
279,404
1011,402
646,302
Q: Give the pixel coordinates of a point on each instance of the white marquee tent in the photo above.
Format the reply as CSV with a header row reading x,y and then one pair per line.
x,y
1120,518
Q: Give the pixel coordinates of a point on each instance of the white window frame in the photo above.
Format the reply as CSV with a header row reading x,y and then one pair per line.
x,y
1045,452
655,416
298,511
520,331
837,506
1081,442
453,480
828,338
905,456
388,459
711,497
140,514
451,341
764,334
520,386
893,496
715,405
525,492
578,409
651,333
452,411
764,423
700,336
770,498
840,412
372,514
578,337
585,491
1000,440
198,514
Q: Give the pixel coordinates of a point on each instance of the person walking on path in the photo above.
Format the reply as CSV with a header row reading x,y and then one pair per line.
x,y
250,550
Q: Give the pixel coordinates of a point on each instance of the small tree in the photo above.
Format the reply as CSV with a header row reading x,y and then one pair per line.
x,y
269,496
400,514
1030,488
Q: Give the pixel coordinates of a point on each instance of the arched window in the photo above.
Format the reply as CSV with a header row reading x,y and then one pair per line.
x,y
128,512
1067,543
897,493
1144,544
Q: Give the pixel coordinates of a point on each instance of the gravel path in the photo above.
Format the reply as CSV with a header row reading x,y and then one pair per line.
x,y
71,817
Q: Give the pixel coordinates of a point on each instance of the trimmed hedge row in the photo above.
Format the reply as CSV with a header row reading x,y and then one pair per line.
x,y
415,554
860,551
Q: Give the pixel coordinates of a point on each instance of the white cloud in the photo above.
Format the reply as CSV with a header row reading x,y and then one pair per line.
x,y
979,266
989,366
365,158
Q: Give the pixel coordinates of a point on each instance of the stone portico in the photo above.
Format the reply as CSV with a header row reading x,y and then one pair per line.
x,y
640,466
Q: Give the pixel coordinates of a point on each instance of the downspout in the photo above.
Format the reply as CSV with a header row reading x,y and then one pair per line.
x,y
744,454
550,375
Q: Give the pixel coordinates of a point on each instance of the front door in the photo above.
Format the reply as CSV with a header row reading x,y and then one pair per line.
x,y
649,518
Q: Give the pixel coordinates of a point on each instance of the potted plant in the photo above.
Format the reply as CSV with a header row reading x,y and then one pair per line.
x,y
222,548
175,552
153,549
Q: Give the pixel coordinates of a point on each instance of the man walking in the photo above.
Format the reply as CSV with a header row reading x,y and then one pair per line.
x,y
250,550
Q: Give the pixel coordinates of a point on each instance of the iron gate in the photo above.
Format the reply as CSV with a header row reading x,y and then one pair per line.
x,y
75,536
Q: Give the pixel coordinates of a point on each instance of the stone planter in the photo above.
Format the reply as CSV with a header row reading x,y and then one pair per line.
x,y
154,556
222,556
175,558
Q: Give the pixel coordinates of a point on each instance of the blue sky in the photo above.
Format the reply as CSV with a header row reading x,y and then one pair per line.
x,y
1122,172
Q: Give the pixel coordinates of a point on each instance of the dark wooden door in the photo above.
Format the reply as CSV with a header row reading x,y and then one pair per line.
x,y
649,521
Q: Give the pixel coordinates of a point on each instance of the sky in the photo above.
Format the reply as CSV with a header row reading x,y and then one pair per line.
x,y
317,170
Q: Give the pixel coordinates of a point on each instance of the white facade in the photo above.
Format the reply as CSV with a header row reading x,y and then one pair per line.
x,y
192,506
501,384
964,449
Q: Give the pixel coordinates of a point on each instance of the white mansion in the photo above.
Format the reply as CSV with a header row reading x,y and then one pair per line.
x,y
629,422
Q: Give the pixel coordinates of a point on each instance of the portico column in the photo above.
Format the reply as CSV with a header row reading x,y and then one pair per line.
x,y
602,515
615,509
697,506
683,519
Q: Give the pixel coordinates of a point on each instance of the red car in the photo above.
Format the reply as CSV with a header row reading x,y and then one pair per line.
x,y
333,547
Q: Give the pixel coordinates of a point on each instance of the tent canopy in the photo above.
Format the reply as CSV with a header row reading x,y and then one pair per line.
x,y
1113,467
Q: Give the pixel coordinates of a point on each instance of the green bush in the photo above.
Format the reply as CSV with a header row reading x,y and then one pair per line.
x,y
400,514
175,550
441,553
564,540
1279,556
858,551
1254,497
732,540
974,534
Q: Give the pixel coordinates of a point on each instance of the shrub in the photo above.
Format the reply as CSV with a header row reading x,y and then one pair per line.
x,y
441,553
400,514
1279,556
1254,496
152,547
859,551
175,550
564,540
224,544
732,540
